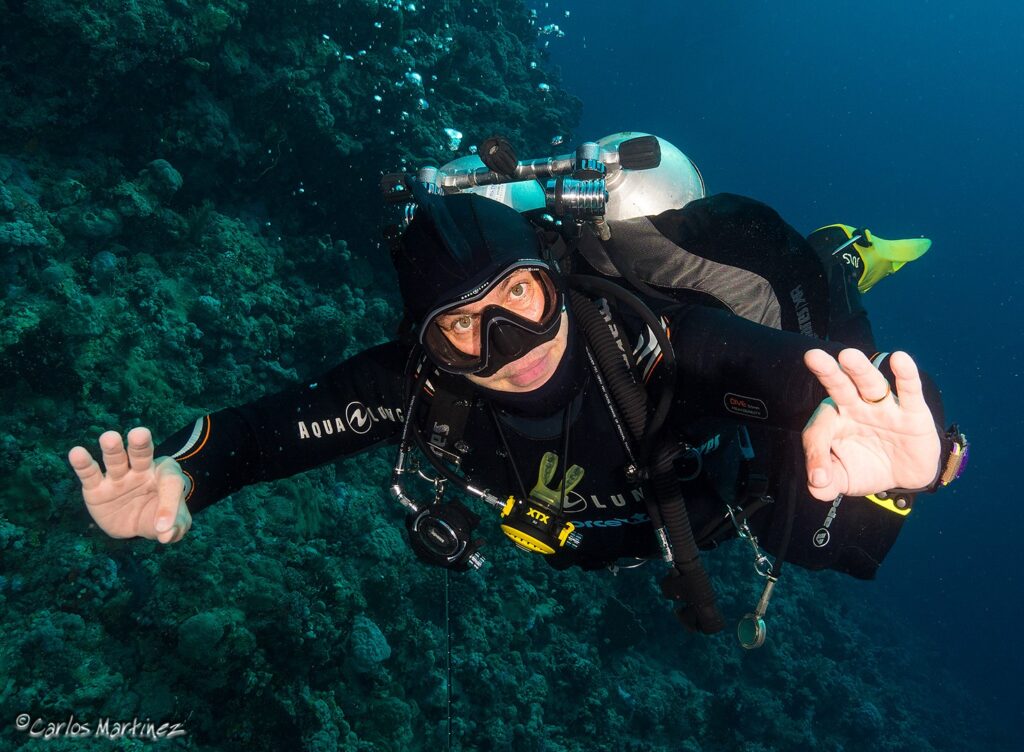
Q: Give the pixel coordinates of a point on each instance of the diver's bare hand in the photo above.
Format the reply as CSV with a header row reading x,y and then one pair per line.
x,y
136,496
865,437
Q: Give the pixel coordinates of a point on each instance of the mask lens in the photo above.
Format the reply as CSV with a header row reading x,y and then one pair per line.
x,y
521,303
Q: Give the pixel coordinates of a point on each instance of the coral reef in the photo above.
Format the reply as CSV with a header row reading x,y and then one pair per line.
x,y
188,218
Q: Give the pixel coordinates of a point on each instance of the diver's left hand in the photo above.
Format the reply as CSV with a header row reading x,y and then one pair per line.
x,y
854,446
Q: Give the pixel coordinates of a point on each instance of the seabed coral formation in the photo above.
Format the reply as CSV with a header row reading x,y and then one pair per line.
x,y
189,218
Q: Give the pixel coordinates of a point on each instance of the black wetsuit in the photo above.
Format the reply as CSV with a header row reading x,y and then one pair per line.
x,y
731,372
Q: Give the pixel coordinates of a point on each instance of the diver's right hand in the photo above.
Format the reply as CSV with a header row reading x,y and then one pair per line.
x,y
137,496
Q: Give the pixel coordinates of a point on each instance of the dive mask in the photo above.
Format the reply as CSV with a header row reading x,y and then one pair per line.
x,y
523,311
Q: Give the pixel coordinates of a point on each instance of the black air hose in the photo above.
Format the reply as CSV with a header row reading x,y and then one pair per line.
x,y
630,396
609,289
686,582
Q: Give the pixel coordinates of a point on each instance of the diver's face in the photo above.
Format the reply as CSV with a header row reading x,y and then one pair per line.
x,y
523,294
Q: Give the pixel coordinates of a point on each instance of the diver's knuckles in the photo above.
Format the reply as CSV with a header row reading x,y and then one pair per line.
x,y
861,373
815,446
827,369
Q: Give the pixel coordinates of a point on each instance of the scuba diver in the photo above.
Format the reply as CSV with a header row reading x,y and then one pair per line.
x,y
620,367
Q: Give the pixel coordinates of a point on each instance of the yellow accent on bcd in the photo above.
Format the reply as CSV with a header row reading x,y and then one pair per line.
x,y
888,504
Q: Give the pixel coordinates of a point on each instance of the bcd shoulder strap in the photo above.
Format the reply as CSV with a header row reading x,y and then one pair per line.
x,y
446,419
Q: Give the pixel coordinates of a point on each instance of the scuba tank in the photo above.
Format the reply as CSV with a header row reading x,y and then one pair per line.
x,y
644,175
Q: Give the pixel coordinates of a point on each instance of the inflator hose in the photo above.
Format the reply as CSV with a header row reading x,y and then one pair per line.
x,y
687,581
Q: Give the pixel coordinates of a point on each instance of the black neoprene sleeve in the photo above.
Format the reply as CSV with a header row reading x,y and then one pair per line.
x,y
729,366
349,409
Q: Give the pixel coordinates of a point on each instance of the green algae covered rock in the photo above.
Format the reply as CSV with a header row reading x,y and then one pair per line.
x,y
200,636
66,192
367,646
91,222
6,200
20,234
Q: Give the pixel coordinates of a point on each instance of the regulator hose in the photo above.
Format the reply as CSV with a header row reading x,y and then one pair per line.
x,y
608,288
630,397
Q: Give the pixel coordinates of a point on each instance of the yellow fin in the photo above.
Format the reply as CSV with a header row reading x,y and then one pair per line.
x,y
883,257
902,251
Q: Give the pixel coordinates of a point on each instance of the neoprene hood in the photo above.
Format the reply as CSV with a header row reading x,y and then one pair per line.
x,y
454,245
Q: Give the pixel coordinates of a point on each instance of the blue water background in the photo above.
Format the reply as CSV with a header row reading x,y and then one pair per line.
x,y
905,118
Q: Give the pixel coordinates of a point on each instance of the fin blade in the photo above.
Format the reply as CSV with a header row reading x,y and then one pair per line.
x,y
901,251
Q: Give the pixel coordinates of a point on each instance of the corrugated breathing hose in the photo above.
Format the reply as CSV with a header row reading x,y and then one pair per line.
x,y
687,582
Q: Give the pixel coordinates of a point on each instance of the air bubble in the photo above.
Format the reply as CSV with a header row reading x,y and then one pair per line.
x,y
454,138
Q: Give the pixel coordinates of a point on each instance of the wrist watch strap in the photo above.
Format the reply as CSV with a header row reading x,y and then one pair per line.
x,y
953,452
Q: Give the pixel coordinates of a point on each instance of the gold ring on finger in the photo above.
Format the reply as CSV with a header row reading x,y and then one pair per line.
x,y
888,391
